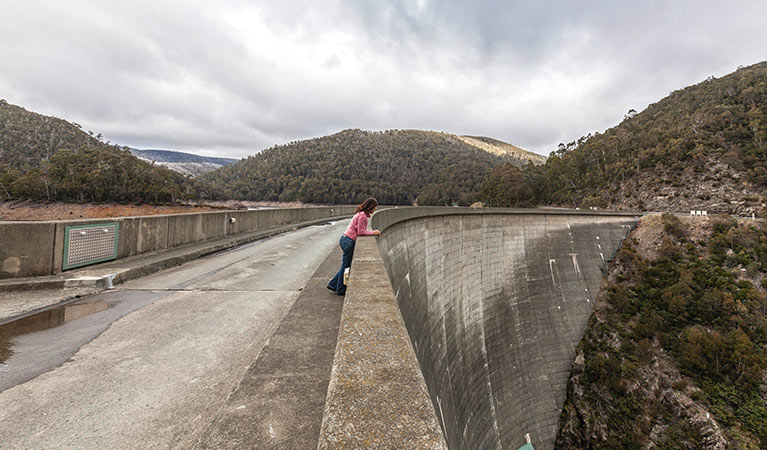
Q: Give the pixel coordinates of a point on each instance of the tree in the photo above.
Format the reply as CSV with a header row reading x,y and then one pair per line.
x,y
506,186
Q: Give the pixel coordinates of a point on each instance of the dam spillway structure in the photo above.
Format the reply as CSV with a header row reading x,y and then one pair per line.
x,y
495,302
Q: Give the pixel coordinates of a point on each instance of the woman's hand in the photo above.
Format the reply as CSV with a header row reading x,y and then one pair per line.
x,y
376,232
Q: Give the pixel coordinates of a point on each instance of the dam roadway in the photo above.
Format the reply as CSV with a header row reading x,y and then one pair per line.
x,y
178,368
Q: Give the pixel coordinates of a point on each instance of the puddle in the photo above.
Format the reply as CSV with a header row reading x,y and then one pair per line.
x,y
44,320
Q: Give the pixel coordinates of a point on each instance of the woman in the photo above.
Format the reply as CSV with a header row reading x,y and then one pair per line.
x,y
358,227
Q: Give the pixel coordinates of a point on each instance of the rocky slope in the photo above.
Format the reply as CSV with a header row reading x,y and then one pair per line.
x,y
675,353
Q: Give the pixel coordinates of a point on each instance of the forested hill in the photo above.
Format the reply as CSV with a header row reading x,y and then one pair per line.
x,y
702,147
396,167
46,158
28,138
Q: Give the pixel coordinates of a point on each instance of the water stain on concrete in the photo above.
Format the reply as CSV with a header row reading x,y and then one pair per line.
x,y
11,265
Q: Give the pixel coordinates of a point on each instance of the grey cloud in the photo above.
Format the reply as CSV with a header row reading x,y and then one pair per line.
x,y
235,78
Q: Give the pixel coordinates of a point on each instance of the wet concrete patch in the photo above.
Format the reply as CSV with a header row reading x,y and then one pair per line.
x,y
45,320
17,304
44,340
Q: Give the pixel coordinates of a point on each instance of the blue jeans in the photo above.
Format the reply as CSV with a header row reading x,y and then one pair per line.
x,y
337,283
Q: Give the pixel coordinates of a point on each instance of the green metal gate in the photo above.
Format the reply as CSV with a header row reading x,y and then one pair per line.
x,y
89,244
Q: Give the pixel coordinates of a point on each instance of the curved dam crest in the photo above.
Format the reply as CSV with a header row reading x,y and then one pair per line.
x,y
495,304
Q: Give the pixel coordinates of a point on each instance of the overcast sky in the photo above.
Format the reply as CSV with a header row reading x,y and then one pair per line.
x,y
231,78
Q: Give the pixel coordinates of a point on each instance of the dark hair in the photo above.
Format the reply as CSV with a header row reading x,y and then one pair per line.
x,y
367,205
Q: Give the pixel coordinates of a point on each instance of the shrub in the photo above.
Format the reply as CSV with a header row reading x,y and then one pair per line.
x,y
673,226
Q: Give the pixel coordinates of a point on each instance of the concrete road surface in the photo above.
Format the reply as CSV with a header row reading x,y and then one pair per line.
x,y
154,369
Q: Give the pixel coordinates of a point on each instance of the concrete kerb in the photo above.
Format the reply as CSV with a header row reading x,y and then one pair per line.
x,y
141,265
29,284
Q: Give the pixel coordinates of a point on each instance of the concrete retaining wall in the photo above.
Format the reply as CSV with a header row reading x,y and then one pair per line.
x,y
494,301
36,248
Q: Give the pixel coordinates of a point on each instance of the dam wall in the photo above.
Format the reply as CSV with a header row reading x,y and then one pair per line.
x,y
36,248
495,302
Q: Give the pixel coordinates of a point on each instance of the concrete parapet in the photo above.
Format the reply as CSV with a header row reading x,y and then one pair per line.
x,y
381,220
30,249
152,235
26,247
377,397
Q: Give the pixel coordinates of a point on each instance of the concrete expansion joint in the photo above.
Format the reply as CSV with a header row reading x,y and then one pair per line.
x,y
148,289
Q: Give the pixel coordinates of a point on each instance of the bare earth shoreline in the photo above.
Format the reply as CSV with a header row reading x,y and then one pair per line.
x,y
27,210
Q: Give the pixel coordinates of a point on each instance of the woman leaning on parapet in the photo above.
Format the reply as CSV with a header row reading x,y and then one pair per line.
x,y
358,227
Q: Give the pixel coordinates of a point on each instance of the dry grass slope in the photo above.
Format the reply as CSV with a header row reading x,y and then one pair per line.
x,y
500,148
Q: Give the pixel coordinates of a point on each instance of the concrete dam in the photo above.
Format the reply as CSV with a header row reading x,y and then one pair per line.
x,y
495,303
458,328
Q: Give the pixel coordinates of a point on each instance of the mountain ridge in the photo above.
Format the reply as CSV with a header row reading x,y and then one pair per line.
x,y
174,156
181,162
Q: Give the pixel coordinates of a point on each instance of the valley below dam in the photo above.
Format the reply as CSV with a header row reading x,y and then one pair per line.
x,y
495,305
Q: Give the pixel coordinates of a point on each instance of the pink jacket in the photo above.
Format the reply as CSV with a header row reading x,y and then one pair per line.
x,y
359,226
